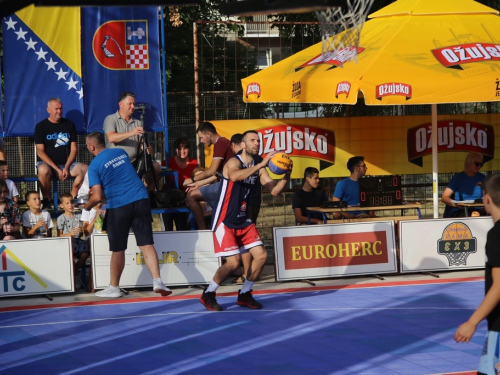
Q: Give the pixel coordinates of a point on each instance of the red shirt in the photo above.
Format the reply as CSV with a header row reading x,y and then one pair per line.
x,y
184,173
222,150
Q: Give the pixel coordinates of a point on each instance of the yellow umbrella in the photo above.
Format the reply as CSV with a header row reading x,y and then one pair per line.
x,y
410,52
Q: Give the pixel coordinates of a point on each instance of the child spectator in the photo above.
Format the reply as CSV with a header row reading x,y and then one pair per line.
x,y
36,222
10,217
4,175
69,225
490,306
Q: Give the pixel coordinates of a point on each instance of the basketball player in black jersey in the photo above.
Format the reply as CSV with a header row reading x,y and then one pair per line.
x,y
234,233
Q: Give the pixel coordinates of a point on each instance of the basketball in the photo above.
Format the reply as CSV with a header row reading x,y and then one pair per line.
x,y
279,163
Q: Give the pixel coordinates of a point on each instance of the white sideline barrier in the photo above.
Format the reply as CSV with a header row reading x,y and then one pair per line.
x,y
334,250
36,266
186,258
443,244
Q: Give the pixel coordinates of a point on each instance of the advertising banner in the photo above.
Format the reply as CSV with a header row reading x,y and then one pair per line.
x,y
36,266
186,258
335,250
390,144
443,244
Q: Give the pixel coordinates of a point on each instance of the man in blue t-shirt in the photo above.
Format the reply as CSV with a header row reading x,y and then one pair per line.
x,y
348,188
112,175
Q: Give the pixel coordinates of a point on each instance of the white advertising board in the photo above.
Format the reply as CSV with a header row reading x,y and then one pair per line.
x,y
334,250
186,258
36,266
443,244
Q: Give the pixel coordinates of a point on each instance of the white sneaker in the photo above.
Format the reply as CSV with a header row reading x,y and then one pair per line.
x,y
159,287
110,292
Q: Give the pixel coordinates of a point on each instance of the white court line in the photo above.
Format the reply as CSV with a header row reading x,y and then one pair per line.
x,y
239,312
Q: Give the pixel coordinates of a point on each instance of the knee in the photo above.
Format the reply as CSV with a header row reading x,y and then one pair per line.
x,y
44,171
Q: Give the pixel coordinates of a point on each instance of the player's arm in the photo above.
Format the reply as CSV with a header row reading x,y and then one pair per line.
x,y
275,188
95,198
491,299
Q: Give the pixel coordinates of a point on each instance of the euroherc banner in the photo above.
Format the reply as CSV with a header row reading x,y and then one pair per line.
x,y
121,53
42,60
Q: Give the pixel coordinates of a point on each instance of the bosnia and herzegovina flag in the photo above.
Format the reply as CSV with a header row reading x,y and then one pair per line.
x,y
121,53
42,60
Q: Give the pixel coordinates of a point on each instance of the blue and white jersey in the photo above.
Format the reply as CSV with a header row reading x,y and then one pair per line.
x,y
232,206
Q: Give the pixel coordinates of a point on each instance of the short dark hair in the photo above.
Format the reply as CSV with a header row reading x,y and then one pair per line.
x,y
237,138
3,184
310,171
3,162
491,187
181,142
353,162
206,127
244,135
99,138
124,94
29,193
65,195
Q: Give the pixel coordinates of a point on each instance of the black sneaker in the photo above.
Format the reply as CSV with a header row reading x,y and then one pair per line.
x,y
209,301
246,299
47,204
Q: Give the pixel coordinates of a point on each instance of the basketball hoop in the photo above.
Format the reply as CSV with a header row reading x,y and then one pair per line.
x,y
341,29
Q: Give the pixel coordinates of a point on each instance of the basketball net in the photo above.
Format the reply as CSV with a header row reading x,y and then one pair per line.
x,y
341,29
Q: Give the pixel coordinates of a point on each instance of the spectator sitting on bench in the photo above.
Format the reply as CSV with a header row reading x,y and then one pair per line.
x,y
37,223
207,210
56,148
310,195
4,175
10,217
69,225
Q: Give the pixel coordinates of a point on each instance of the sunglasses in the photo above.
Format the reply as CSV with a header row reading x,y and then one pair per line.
x,y
477,164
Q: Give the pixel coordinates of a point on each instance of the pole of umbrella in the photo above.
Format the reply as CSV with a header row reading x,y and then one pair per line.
x,y
434,136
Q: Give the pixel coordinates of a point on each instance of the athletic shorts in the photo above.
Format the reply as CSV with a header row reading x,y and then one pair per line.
x,y
210,194
489,362
229,241
135,215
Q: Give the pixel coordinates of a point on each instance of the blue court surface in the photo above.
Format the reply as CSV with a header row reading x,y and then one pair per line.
x,y
383,328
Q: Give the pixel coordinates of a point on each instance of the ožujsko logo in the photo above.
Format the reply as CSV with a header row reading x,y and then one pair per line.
x,y
16,278
457,243
122,45
393,88
336,58
453,135
453,56
298,140
343,87
253,88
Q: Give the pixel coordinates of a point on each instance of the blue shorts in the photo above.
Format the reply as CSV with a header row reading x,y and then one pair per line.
x,y
73,165
210,194
489,362
135,215
80,247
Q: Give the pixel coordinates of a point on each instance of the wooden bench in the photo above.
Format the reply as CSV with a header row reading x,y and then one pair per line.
x,y
379,218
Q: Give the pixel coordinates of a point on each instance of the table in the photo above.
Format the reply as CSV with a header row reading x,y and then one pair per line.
x,y
402,207
466,206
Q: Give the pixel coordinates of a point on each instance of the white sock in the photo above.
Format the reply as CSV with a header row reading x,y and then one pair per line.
x,y
212,287
247,286
158,281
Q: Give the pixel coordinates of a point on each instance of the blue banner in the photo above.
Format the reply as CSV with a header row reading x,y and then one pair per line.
x,y
41,62
1,101
121,53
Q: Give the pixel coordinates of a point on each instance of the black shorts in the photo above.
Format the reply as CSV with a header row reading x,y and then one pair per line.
x,y
135,215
